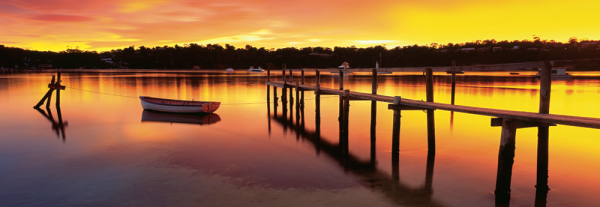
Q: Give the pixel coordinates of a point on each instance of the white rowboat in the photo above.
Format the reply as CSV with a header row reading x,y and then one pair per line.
x,y
178,106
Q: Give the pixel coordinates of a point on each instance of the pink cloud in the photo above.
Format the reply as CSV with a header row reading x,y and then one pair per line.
x,y
61,18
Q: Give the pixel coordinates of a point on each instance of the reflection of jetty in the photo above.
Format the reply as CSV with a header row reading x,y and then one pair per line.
x,y
201,119
365,171
509,120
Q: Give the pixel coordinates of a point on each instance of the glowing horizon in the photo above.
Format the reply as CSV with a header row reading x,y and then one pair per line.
x,y
104,25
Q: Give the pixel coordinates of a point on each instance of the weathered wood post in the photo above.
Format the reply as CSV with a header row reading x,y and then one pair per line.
x,y
346,119
373,118
48,95
453,88
543,134
341,80
275,103
297,94
302,91
291,76
545,86
374,82
505,161
396,130
318,84
283,74
58,81
269,72
429,84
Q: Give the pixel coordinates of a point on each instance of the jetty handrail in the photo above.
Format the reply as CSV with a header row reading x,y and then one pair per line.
x,y
508,114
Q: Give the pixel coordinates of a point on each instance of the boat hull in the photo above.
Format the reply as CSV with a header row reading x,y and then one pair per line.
x,y
178,106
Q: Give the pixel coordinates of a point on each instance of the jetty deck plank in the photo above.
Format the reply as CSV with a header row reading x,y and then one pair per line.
x,y
506,114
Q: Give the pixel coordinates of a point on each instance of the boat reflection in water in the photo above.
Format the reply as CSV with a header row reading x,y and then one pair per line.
x,y
200,118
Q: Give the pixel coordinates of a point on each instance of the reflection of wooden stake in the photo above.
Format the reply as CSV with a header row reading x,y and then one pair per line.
x,y
430,131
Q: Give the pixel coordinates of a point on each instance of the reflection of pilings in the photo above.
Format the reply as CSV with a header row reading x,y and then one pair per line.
x,y
368,174
430,131
429,172
269,107
541,192
505,161
318,120
373,131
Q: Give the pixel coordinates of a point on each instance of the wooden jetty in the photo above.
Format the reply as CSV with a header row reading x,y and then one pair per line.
x,y
509,120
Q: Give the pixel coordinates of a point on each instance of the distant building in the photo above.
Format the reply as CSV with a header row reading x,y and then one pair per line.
x,y
516,47
532,48
482,49
494,49
467,49
45,66
589,44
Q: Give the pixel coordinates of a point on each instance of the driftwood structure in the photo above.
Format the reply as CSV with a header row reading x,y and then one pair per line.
x,y
509,120
57,125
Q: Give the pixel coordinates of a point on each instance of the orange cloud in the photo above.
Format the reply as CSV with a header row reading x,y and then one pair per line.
x,y
61,18
97,24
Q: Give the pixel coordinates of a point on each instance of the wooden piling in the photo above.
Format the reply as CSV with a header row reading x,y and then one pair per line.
x,y
545,85
302,76
275,103
317,79
374,82
341,80
297,94
429,84
291,76
58,81
346,118
269,72
283,75
453,88
396,130
453,84
506,157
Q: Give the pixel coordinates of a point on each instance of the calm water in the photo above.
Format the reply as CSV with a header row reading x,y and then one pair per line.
x,y
112,153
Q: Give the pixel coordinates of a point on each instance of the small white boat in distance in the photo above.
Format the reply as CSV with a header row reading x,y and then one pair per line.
x,y
259,69
229,69
178,106
557,73
344,65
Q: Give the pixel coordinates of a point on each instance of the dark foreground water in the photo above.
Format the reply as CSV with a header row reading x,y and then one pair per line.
x,y
109,152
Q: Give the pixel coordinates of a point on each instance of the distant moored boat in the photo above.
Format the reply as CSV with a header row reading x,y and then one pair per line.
x,y
178,106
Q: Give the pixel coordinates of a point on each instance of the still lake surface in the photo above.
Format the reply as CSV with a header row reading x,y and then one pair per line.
x,y
112,153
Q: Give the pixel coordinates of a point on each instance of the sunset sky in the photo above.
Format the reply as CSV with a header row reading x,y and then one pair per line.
x,y
104,25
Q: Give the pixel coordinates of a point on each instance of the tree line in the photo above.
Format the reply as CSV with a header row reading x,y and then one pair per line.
x,y
215,56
